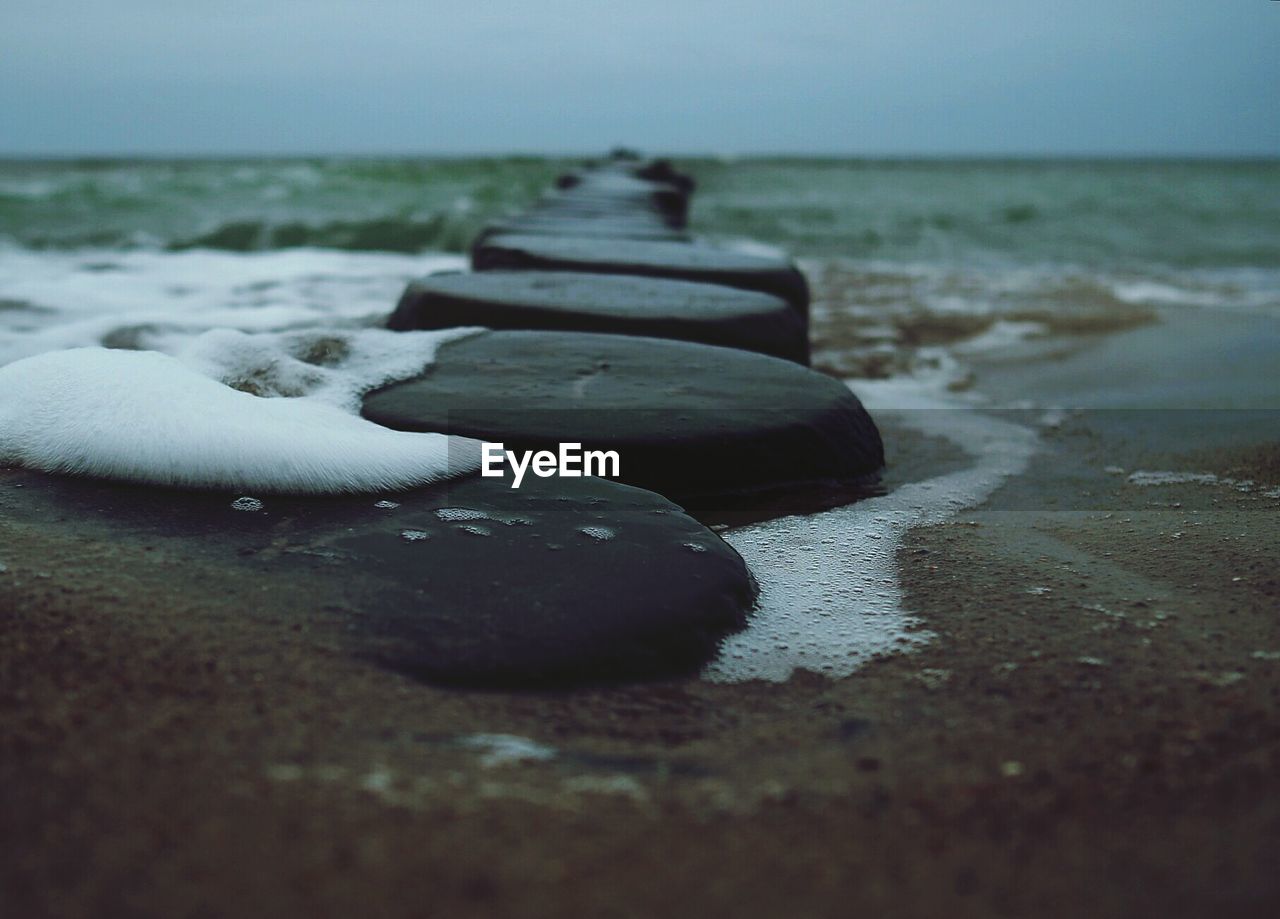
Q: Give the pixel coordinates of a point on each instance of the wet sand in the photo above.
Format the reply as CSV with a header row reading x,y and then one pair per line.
x,y
1094,729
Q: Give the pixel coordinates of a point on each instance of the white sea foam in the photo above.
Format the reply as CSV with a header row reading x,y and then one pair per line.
x,y
460,513
1144,477
251,378
1222,288
149,417
93,297
1147,478
506,749
1003,335
747,246
830,596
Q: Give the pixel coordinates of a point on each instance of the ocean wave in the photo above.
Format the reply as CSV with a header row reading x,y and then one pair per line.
x,y
450,231
439,232
393,205
1109,214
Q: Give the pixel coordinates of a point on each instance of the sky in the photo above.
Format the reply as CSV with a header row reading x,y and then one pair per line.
x,y
851,77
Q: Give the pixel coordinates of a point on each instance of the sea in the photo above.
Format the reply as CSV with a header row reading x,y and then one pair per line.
x,y
952,246
923,271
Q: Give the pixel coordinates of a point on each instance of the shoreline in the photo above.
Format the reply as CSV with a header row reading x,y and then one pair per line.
x,y
1091,724
1037,753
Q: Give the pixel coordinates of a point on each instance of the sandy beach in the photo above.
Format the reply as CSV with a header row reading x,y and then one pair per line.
x,y
1092,728
640,461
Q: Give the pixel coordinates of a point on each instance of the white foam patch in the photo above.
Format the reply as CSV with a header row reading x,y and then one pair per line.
x,y
1143,477
1147,478
745,246
264,358
506,749
1236,289
92,297
830,595
336,366
173,420
601,534
1003,335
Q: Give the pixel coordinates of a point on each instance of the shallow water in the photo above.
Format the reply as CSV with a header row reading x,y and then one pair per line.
x,y
937,284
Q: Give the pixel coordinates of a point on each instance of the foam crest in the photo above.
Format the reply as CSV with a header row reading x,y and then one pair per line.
x,y
133,298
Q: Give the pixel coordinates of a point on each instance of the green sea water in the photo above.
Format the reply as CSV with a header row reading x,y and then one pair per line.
x,y
904,255
1108,213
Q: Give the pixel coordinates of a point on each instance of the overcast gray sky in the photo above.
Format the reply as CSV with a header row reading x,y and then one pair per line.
x,y
816,76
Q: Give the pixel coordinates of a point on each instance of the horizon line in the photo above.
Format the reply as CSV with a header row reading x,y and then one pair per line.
x,y
728,157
